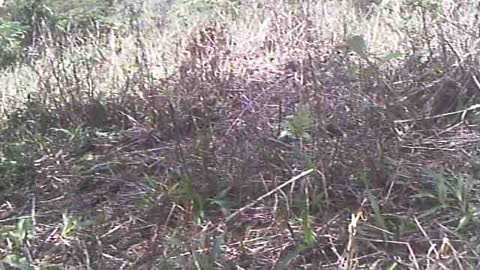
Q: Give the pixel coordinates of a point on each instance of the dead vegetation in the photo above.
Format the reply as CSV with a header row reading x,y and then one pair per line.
x,y
270,138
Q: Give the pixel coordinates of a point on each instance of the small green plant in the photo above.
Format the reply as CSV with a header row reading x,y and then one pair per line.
x,y
287,259
143,201
440,188
450,194
75,135
404,226
444,194
187,196
300,125
222,202
151,187
22,232
17,262
374,203
358,44
11,36
379,219
302,203
70,226
16,165
307,244
35,117
308,236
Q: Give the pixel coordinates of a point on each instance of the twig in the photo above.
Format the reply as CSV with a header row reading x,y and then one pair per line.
x,y
473,107
293,179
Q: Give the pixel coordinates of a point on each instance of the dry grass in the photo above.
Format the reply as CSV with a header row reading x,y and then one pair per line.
x,y
259,136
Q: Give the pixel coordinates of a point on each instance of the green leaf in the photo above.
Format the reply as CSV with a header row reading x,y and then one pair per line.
x,y
465,221
307,230
379,220
199,205
150,182
407,226
285,261
441,187
70,225
357,44
300,125
21,233
217,248
391,56
143,201
393,266
17,262
423,195
430,211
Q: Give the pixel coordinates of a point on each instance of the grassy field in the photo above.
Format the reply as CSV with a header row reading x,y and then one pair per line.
x,y
269,134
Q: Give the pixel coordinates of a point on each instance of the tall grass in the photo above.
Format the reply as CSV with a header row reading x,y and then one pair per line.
x,y
264,134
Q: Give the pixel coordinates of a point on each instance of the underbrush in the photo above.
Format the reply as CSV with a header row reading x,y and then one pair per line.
x,y
327,135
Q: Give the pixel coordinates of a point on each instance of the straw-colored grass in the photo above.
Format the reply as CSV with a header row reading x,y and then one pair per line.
x,y
246,135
